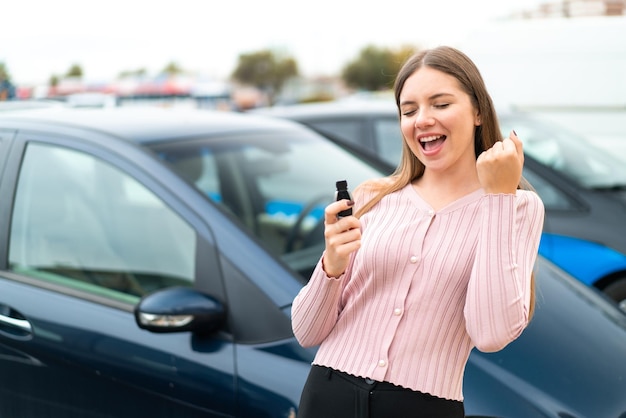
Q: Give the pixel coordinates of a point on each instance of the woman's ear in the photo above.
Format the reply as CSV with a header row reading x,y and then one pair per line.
x,y
477,120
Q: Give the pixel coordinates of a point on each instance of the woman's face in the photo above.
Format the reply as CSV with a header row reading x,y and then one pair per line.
x,y
438,120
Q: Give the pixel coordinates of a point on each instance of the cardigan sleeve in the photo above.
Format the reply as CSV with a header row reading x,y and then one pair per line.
x,y
499,290
316,308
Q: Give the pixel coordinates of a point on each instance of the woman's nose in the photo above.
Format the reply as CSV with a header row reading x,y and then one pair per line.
x,y
423,119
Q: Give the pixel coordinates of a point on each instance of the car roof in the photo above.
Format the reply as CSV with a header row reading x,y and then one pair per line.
x,y
332,108
357,106
146,124
14,105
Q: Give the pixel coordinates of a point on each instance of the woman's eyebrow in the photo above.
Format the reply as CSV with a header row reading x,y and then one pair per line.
x,y
440,95
432,97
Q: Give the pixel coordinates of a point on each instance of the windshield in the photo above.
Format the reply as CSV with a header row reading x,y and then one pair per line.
x,y
574,156
276,184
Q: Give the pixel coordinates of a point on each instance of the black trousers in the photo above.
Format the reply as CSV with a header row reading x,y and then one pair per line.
x,y
330,393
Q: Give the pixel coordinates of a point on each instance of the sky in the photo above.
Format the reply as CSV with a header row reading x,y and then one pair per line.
x,y
41,38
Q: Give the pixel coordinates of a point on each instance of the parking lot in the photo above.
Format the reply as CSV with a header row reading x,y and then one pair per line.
x,y
152,255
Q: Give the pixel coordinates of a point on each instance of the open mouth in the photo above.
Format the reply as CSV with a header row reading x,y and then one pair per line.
x,y
432,142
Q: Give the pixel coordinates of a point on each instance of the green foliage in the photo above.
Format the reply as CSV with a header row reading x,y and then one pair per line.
x,y
4,72
375,68
264,70
75,71
172,68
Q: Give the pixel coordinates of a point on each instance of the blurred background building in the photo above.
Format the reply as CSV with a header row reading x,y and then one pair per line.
x,y
575,8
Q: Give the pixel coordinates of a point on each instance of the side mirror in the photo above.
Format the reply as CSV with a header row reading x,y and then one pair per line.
x,y
179,309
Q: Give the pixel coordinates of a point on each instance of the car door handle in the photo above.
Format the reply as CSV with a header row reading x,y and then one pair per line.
x,y
21,324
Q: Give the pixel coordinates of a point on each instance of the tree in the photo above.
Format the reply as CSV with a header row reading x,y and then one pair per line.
x,y
4,72
375,68
75,71
266,71
172,68
53,81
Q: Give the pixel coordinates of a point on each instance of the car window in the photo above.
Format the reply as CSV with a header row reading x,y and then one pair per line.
x,y
83,223
276,184
553,198
389,139
574,156
350,130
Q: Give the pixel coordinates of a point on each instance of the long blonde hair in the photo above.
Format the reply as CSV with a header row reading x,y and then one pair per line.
x,y
455,63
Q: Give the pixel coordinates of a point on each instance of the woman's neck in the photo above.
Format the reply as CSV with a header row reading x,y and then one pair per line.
x,y
440,189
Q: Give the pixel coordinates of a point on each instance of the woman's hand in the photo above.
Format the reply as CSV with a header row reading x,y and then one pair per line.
x,y
500,167
342,235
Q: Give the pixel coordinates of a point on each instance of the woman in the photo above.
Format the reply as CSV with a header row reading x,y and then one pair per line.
x,y
437,260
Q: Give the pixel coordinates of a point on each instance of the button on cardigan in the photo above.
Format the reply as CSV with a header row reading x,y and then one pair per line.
x,y
425,288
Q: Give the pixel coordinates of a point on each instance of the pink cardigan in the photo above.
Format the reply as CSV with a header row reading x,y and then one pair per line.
x,y
424,289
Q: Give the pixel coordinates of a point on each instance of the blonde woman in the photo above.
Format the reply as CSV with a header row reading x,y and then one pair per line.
x,y
438,258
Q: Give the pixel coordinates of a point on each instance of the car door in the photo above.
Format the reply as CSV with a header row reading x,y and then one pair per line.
x,y
79,249
5,135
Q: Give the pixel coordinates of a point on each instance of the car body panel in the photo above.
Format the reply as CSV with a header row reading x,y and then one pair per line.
x,y
125,362
558,329
584,259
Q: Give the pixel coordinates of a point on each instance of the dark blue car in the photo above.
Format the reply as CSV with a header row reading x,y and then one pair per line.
x,y
149,257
